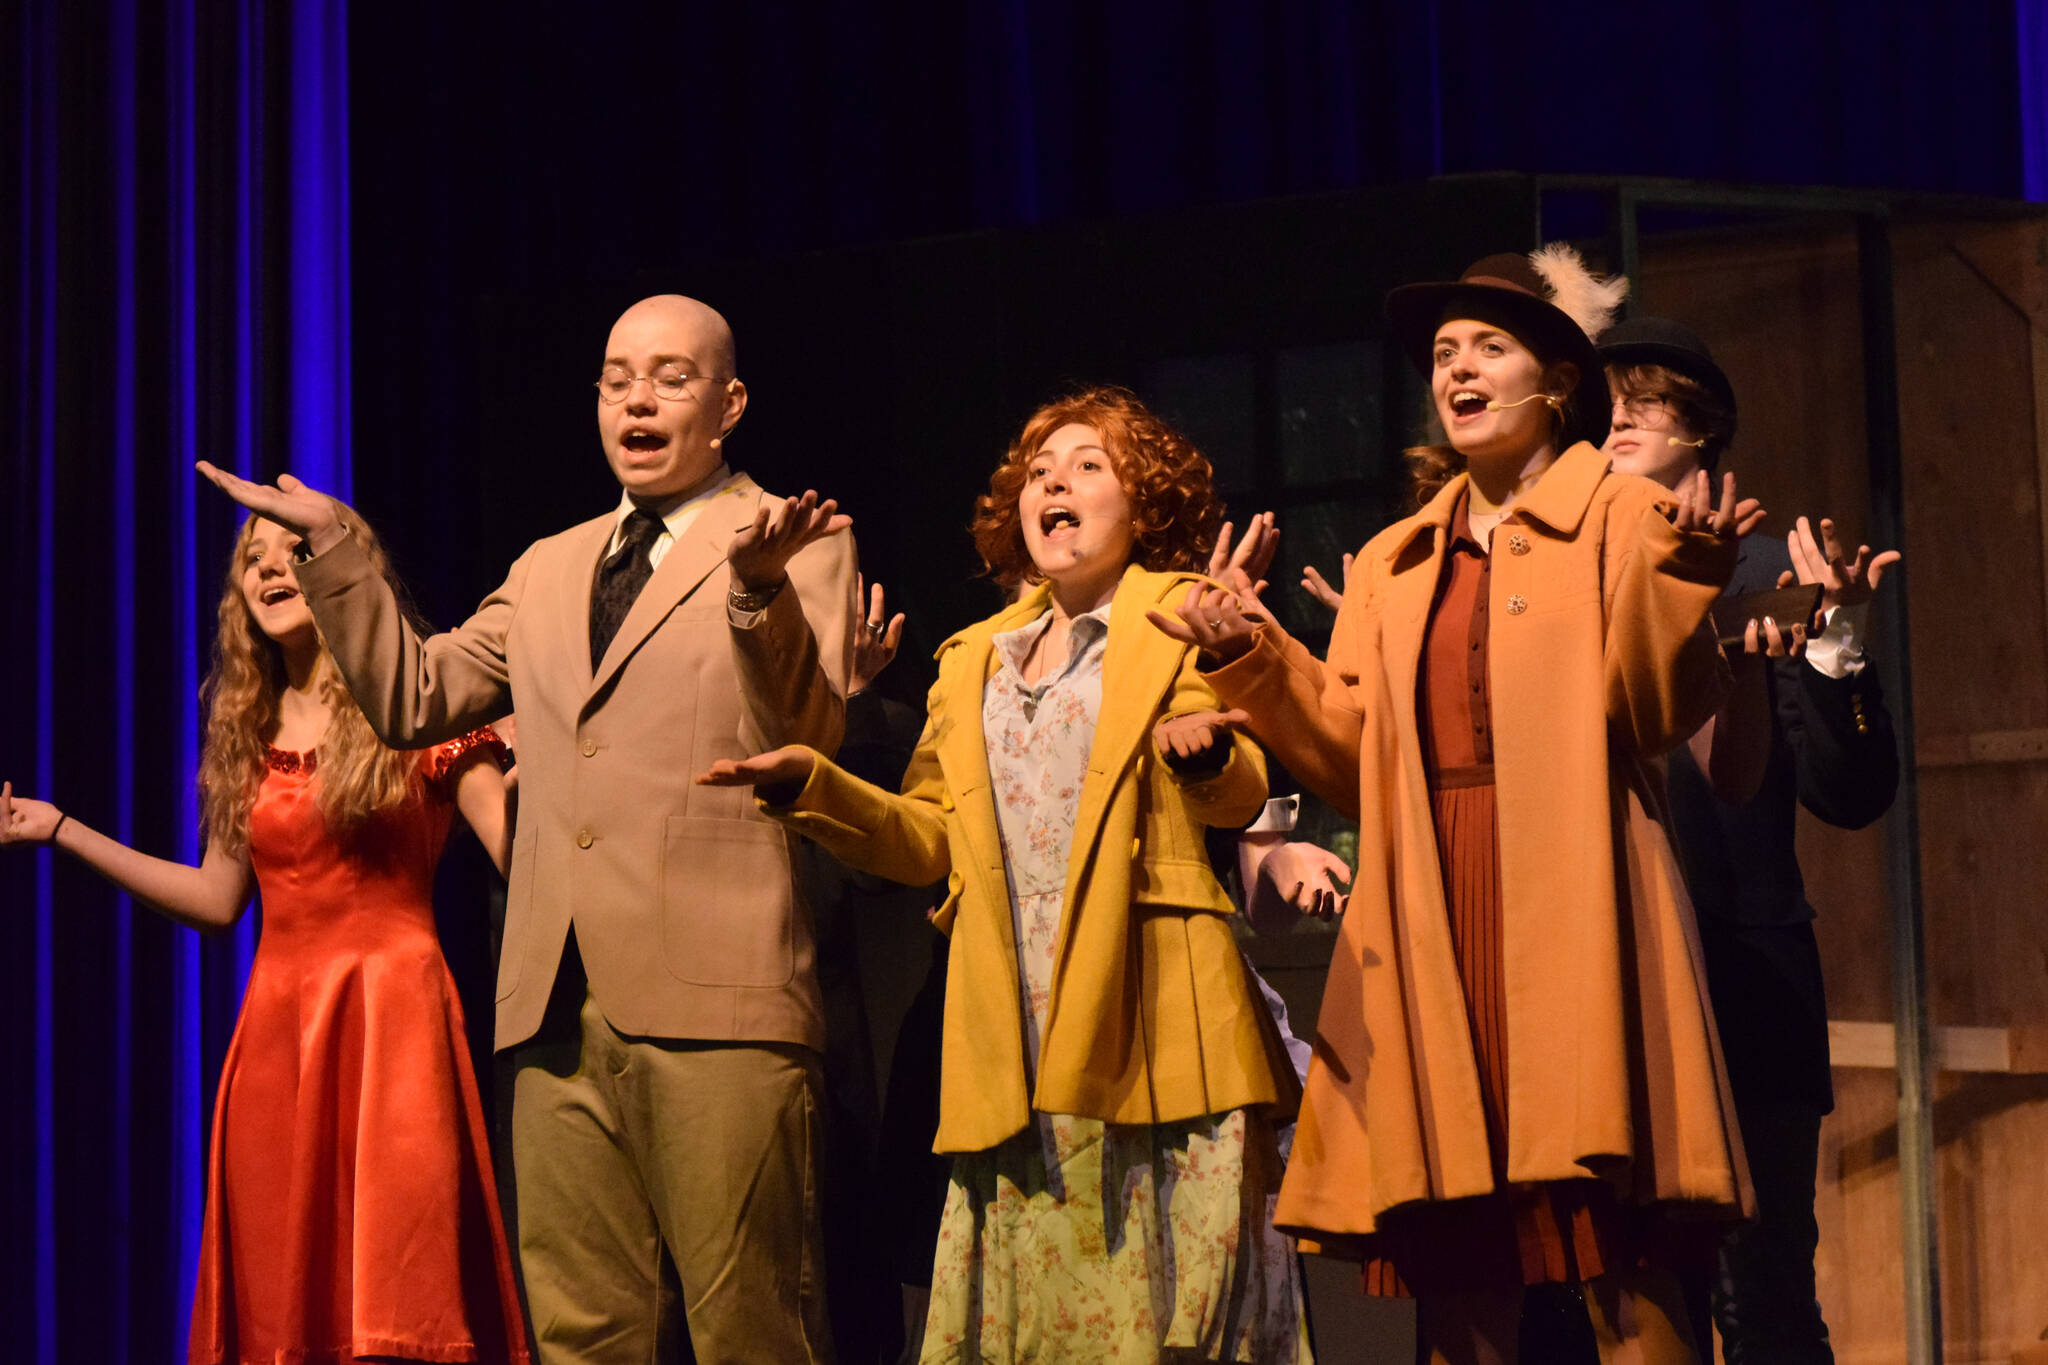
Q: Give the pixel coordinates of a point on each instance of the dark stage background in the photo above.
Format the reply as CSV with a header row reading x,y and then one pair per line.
x,y
381,245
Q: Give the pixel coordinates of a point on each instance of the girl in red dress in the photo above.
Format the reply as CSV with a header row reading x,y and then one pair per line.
x,y
351,1208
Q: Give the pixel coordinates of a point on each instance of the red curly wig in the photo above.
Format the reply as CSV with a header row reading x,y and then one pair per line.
x,y
1168,481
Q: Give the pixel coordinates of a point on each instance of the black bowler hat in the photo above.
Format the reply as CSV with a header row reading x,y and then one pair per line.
x,y
1660,341
1547,300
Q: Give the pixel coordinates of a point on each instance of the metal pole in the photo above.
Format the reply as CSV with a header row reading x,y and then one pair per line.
x,y
1624,246
1915,1036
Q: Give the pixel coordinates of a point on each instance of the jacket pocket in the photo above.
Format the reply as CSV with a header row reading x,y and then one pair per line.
x,y
726,903
1178,883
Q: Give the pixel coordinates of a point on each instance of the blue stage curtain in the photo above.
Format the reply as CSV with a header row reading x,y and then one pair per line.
x,y
178,218
2032,50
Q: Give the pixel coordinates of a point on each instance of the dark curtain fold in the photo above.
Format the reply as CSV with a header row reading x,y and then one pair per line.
x,y
179,235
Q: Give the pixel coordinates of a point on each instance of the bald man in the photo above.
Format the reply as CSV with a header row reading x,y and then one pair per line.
x,y
656,982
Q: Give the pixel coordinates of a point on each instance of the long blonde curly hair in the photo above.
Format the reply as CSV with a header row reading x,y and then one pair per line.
x,y
357,776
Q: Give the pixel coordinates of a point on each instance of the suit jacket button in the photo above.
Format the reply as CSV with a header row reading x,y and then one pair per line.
x,y
1518,544
1517,604
590,748
946,801
584,838
1136,845
954,881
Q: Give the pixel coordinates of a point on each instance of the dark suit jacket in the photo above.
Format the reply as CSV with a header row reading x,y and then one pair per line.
x,y
1833,751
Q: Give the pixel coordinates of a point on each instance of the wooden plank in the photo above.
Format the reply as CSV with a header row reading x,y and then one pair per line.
x,y
2022,1050
1988,746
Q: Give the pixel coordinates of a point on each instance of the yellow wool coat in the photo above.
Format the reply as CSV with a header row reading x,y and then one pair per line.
x,y
1152,1017
1599,664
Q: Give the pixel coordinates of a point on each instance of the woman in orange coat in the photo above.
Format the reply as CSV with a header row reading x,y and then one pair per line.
x,y
1516,1079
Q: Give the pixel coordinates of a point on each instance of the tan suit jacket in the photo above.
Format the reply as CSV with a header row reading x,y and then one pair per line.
x,y
686,914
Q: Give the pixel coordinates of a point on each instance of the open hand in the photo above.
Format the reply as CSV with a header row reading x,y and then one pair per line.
x,y
760,553
788,766
874,644
1305,877
1319,587
293,505
1731,520
1253,554
1212,620
23,821
1843,582
1193,734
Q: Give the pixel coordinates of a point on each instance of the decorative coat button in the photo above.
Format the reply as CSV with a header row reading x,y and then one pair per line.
x,y
584,838
590,748
1517,604
1518,544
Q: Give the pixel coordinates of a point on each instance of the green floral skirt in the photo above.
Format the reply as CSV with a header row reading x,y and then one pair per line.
x,y
1078,1240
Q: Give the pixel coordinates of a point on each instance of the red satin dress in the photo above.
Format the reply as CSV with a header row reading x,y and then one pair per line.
x,y
351,1209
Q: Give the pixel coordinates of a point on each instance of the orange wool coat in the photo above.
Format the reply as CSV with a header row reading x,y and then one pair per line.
x,y
1153,1017
1599,664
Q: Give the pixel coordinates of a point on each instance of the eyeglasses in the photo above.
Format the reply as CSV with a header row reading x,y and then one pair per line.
x,y
616,381
1645,409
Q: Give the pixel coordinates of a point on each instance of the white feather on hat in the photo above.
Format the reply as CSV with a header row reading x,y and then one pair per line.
x,y
1587,299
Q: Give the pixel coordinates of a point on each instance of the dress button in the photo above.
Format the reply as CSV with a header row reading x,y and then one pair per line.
x,y
590,748
584,838
1518,544
1517,604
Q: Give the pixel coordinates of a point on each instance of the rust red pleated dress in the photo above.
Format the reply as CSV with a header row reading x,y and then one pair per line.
x,y
1566,1231
351,1209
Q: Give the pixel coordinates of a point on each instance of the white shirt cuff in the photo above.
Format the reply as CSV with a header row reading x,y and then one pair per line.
x,y
1278,817
1838,650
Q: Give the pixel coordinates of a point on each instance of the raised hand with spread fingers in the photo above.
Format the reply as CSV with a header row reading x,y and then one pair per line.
x,y
760,553
875,643
296,506
1319,587
1844,581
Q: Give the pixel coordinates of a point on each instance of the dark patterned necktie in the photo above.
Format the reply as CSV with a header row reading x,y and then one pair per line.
x,y
620,579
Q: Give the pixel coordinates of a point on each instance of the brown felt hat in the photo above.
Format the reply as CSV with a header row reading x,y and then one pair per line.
x,y
1511,292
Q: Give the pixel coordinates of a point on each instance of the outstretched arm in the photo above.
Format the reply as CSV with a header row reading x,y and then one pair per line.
x,y
902,837
1303,710
1832,707
483,793
1665,672
209,897
414,691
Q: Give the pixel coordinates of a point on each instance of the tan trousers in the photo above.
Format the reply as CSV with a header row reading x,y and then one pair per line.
x,y
653,1172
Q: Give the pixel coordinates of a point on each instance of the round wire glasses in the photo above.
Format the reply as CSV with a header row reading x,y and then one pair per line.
x,y
614,382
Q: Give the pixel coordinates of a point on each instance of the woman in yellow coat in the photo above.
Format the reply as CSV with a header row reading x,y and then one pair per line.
x,y
1109,1077
1516,1078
